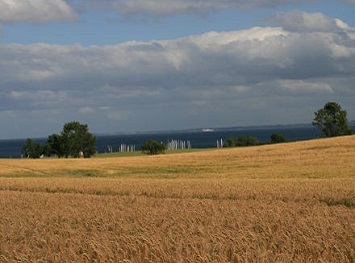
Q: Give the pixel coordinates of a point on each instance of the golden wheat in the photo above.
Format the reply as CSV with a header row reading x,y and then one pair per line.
x,y
278,203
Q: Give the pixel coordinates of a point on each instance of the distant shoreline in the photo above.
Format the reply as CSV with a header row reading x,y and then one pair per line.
x,y
199,138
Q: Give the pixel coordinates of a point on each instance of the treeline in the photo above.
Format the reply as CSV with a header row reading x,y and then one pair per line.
x,y
243,141
75,141
331,120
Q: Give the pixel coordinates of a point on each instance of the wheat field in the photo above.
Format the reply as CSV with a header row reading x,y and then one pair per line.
x,y
292,202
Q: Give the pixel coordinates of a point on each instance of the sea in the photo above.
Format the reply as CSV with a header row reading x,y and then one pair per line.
x,y
203,138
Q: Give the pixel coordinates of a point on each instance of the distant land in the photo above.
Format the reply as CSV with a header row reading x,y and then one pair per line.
x,y
231,128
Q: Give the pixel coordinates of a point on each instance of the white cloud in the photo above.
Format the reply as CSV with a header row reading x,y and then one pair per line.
x,y
228,78
37,11
302,86
298,21
37,97
86,110
17,95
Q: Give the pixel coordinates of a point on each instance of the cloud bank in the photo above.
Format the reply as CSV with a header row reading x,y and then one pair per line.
x,y
37,11
262,75
297,21
172,7
41,11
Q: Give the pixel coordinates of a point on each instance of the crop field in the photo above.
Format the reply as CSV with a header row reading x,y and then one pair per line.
x,y
292,202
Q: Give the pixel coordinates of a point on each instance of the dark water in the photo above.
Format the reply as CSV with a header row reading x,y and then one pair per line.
x,y
12,148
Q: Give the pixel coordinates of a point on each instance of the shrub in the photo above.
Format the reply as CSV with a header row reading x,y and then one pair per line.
x,y
241,141
277,138
152,147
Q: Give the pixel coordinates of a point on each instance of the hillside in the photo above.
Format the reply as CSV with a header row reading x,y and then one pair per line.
x,y
322,158
290,202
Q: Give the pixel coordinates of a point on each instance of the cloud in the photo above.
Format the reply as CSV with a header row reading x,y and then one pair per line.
x,y
298,21
172,7
261,75
303,86
86,110
37,11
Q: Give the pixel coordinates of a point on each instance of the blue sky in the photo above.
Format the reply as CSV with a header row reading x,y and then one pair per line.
x,y
126,66
101,27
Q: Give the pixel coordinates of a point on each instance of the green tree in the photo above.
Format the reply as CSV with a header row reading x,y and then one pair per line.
x,y
277,138
55,145
77,141
332,120
152,147
32,149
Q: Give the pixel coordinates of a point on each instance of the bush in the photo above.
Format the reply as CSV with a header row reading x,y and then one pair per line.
x,y
241,141
152,147
277,138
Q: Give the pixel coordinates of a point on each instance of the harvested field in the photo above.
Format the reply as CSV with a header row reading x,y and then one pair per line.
x,y
291,202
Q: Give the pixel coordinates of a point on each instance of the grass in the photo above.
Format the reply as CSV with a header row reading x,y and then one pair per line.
x,y
290,202
313,159
138,153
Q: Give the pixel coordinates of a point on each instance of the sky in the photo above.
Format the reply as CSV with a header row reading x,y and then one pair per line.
x,y
146,65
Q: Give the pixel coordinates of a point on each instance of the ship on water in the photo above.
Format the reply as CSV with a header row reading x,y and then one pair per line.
x,y
207,130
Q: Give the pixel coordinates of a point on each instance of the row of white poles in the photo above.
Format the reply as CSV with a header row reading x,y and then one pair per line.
x,y
171,145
